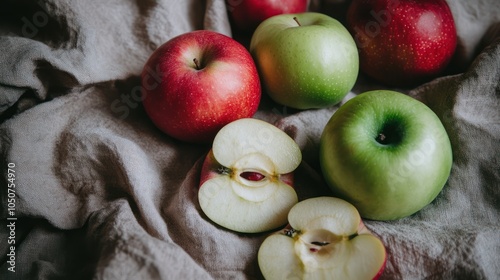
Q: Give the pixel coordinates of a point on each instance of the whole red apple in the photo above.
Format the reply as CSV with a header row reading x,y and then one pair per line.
x,y
402,42
197,82
247,14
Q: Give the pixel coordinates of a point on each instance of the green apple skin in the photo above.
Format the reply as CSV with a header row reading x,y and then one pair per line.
x,y
311,65
390,179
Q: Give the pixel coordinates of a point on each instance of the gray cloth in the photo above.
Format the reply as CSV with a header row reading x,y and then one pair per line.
x,y
102,193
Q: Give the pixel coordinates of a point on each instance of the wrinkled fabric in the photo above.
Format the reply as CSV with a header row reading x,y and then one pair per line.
x,y
102,193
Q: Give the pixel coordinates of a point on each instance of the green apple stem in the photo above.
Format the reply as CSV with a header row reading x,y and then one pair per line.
x,y
196,63
297,21
382,139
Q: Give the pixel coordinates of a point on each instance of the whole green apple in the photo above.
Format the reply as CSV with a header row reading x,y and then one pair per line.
x,y
306,60
386,153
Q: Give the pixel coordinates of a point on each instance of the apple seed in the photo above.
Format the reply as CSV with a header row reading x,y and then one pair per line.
x,y
252,176
320,243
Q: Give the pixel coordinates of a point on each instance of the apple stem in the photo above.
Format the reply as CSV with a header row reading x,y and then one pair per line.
x,y
297,21
381,138
196,63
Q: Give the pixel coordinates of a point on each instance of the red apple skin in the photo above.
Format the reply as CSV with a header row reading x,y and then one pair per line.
x,y
192,104
248,14
382,268
211,168
402,42
362,229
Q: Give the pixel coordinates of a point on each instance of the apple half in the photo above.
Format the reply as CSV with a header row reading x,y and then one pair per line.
x,y
326,239
246,179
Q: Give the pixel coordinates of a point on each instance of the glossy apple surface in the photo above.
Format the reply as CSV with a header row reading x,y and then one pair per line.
x,y
403,42
248,14
246,182
197,82
386,153
326,239
306,60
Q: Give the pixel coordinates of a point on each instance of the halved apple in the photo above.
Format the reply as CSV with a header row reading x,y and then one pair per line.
x,y
326,239
246,180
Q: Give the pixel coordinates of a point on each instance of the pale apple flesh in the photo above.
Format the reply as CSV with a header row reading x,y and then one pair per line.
x,y
326,240
248,187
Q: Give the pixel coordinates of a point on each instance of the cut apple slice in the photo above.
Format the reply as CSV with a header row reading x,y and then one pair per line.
x,y
326,240
244,137
246,181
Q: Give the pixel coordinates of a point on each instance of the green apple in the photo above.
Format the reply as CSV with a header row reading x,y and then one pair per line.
x,y
306,60
386,153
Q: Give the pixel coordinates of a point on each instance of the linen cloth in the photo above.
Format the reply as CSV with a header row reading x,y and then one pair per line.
x,y
101,193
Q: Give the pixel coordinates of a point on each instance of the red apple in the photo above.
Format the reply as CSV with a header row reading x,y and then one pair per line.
x,y
402,42
247,14
197,82
246,181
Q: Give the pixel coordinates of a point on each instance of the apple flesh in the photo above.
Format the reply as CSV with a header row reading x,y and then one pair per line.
x,y
402,42
246,182
306,60
326,239
197,82
248,14
386,153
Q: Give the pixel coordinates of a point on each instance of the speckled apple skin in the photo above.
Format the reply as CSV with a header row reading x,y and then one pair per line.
x,y
403,42
306,60
193,103
248,14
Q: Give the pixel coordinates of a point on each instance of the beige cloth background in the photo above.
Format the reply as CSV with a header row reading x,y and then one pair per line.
x,y
101,193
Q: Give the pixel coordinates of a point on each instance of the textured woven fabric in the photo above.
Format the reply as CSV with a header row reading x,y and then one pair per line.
x,y
102,193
